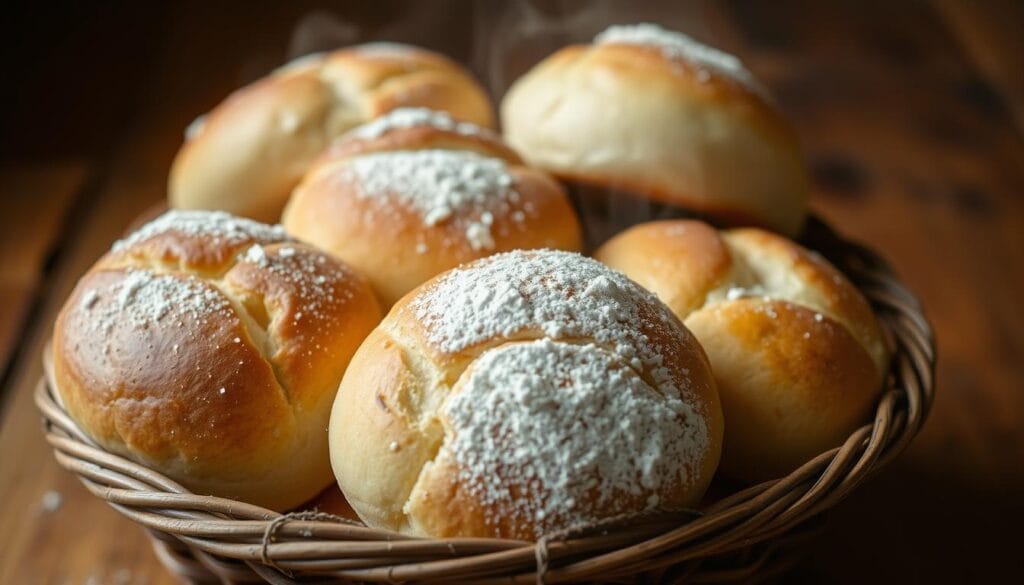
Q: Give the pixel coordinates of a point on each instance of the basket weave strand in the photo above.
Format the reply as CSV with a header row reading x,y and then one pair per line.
x,y
753,532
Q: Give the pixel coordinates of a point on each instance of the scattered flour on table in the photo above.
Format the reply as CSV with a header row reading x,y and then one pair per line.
x,y
52,501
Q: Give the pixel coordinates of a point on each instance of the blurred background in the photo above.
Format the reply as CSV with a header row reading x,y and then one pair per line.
x,y
911,114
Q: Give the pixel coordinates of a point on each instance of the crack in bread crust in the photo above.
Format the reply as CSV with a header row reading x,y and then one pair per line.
x,y
447,380
257,328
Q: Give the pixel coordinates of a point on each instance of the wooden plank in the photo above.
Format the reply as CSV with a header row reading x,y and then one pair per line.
x,y
908,158
35,199
81,538
992,34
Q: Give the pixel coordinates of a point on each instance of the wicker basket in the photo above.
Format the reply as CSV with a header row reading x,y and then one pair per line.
x,y
755,532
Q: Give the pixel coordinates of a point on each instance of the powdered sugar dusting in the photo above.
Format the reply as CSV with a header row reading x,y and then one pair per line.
x,y
256,254
387,49
402,118
676,45
442,185
315,278
223,227
301,63
479,236
144,298
736,292
195,128
560,434
562,295
89,298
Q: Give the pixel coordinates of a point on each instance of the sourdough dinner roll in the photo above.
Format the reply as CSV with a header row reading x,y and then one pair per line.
x,y
655,114
524,393
247,155
415,193
797,352
210,348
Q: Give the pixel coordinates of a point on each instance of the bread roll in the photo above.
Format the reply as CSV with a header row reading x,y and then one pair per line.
x,y
797,351
247,155
414,194
658,115
524,393
210,348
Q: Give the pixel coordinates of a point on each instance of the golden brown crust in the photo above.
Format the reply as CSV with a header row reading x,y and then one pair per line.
x,y
825,287
131,385
203,254
797,352
329,209
791,386
630,118
391,75
219,374
247,154
689,259
315,323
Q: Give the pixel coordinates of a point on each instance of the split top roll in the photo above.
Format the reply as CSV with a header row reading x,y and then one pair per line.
x,y
210,347
525,393
797,351
249,152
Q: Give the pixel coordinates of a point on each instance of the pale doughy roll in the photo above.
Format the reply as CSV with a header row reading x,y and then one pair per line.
x,y
522,394
656,115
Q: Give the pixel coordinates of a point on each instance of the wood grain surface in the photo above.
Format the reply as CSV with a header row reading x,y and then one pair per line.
x,y
912,115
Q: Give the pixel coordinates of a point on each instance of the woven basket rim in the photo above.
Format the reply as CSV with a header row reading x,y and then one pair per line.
x,y
245,541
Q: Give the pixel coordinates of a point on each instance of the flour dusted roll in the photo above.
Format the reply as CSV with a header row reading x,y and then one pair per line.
x,y
415,193
524,393
210,348
656,115
247,154
797,351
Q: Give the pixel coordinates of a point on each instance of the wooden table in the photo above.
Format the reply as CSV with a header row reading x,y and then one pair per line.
x,y
912,115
